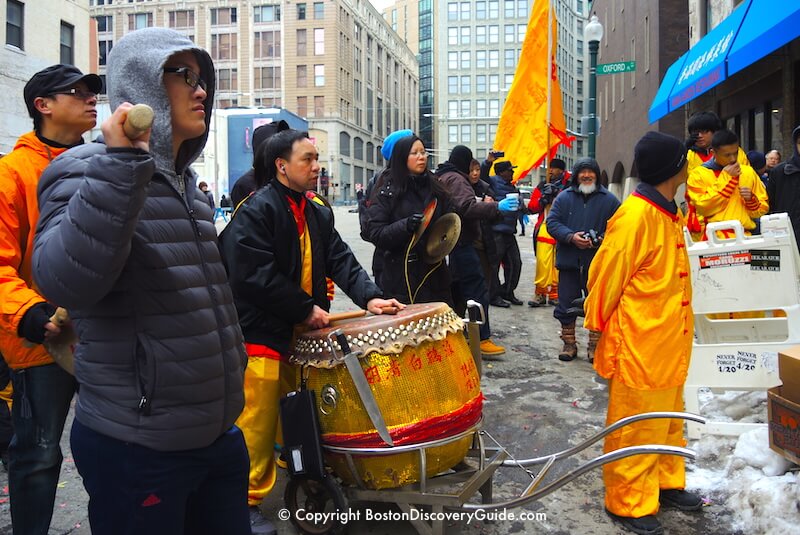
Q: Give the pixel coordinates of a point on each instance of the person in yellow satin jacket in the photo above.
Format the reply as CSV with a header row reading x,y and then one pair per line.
x,y
724,189
702,126
640,300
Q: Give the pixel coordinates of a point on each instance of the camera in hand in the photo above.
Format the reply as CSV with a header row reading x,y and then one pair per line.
x,y
498,153
593,237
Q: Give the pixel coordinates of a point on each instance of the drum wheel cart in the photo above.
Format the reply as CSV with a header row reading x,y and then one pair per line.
x,y
314,488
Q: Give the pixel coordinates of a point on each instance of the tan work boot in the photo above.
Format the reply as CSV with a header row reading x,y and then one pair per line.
x,y
594,337
570,349
490,349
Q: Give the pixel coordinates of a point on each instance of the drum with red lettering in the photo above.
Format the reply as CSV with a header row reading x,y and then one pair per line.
x,y
423,377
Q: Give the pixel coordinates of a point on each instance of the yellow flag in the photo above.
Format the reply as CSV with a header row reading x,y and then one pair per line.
x,y
523,132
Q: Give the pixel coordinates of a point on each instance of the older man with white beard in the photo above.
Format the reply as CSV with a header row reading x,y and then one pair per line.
x,y
577,221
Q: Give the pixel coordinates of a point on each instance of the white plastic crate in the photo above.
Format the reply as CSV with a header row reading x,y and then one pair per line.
x,y
745,273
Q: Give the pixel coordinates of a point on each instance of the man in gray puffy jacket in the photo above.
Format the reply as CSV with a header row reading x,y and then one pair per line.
x,y
126,243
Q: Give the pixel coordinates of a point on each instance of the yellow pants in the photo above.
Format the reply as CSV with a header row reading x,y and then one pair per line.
x,y
632,484
546,272
5,395
259,423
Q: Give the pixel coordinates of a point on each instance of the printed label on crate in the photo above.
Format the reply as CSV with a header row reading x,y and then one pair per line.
x,y
765,260
741,361
733,258
784,428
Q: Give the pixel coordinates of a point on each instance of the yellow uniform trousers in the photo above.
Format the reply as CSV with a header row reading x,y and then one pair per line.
x,y
546,273
632,484
259,421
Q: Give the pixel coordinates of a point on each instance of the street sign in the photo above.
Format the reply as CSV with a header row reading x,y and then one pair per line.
x,y
613,68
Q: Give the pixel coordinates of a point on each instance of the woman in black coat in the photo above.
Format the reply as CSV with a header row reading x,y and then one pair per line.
x,y
397,203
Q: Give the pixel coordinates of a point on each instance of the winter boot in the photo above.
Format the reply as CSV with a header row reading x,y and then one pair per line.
x,y
594,337
539,300
570,349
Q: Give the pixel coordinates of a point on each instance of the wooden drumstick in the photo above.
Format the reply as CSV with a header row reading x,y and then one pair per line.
x,y
139,121
346,315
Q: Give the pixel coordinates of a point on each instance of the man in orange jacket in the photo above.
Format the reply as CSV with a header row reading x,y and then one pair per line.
x,y
61,100
640,298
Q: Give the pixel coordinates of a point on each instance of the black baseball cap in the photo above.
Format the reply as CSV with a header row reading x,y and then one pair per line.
x,y
503,166
57,78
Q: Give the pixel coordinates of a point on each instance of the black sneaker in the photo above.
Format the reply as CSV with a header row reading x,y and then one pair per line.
x,y
646,525
260,525
513,300
500,302
680,499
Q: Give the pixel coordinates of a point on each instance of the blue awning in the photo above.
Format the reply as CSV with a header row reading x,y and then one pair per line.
x,y
768,26
754,29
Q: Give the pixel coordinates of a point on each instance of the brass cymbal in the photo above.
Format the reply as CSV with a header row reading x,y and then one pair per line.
x,y
442,238
427,215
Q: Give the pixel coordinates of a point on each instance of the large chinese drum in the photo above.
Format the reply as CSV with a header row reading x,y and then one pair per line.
x,y
423,377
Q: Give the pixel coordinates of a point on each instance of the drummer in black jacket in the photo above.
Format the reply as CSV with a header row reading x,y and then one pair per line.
x,y
278,249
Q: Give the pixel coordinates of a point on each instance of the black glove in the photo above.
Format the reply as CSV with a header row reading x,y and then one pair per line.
x,y
549,190
691,141
544,201
32,325
413,222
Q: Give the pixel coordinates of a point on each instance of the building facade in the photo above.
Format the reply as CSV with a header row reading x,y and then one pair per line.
x,y
476,49
336,63
654,35
38,34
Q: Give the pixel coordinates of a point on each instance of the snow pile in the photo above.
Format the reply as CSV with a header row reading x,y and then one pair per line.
x,y
742,473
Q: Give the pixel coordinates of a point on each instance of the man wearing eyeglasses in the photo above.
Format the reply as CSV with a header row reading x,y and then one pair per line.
x,y
126,243
61,101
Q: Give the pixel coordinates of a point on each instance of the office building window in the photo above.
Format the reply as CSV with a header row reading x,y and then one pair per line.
x,y
480,83
103,48
452,134
452,60
452,11
510,58
105,23
480,59
267,78
480,109
466,108
452,108
223,16
465,11
480,35
302,106
480,133
137,21
268,13
319,106
494,9
319,10
15,17
494,59
67,43
494,83
301,42
227,80
508,8
452,85
480,10
452,36
319,41
181,19
521,28
494,34
223,46
465,59
466,31
466,133
267,45
301,12
465,85
522,8
319,75
302,76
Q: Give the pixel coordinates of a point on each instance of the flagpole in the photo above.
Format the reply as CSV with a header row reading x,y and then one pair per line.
x,y
549,87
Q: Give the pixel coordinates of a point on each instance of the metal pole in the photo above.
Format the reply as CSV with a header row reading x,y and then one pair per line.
x,y
592,134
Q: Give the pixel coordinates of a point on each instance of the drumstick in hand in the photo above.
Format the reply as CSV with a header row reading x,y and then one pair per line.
x,y
346,315
139,120
59,318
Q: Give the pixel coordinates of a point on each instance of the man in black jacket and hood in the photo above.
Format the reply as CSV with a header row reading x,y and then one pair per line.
x,y
465,264
783,188
246,184
125,241
279,249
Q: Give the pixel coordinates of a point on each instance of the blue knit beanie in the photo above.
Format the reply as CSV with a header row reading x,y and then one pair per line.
x,y
391,139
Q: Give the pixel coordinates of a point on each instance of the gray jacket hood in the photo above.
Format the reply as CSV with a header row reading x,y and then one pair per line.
x,y
135,74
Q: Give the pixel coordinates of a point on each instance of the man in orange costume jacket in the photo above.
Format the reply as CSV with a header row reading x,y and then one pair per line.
x,y
640,298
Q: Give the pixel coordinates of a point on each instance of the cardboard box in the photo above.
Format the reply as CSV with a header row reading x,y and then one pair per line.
x,y
784,424
789,371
